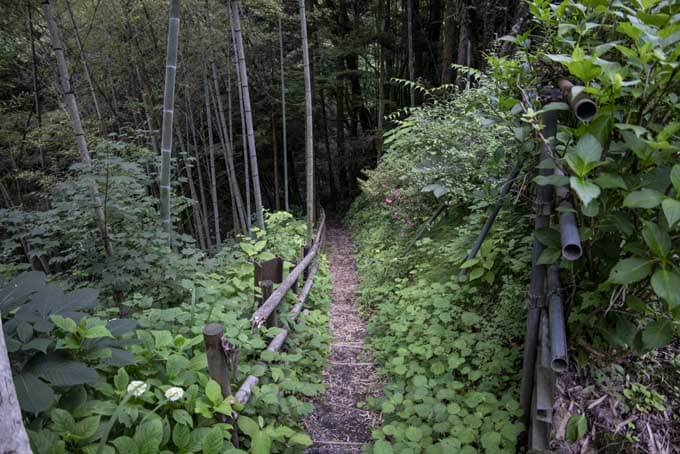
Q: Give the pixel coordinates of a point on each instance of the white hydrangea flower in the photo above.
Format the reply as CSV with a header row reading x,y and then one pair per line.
x,y
174,393
137,388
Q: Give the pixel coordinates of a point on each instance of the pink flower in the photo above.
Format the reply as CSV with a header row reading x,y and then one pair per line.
x,y
397,193
388,200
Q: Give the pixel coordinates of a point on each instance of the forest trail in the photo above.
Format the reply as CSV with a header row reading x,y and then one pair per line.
x,y
337,425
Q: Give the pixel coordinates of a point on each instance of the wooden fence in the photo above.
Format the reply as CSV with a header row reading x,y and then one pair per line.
x,y
222,354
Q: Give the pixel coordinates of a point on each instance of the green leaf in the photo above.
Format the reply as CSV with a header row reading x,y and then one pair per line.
x,y
182,417
181,436
549,256
261,443
675,178
610,181
33,394
671,209
658,241
644,198
470,318
248,426
630,270
121,379
589,149
387,407
548,237
555,106
301,439
58,370
86,428
213,442
666,284
585,190
382,447
126,445
414,434
149,436
657,334
577,426
62,421
96,332
213,392
64,324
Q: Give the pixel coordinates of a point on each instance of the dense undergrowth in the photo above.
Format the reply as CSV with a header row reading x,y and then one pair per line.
x,y
89,381
448,345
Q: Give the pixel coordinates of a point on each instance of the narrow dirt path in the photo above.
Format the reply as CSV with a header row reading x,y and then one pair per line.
x,y
338,425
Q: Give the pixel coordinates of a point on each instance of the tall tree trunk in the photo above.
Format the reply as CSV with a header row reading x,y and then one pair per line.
x,y
309,125
275,163
72,108
329,156
449,41
34,70
195,204
86,68
283,120
201,186
244,140
236,21
411,70
240,226
345,177
211,152
168,115
381,78
14,438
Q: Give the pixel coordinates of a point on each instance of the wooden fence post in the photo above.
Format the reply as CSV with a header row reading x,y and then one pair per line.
x,y
305,251
294,287
267,288
217,361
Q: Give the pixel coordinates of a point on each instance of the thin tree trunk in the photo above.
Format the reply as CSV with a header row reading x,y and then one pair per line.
x,y
381,79
449,40
168,115
309,124
34,68
283,120
229,157
195,205
201,186
72,108
275,161
244,142
236,21
411,71
211,151
86,68
331,176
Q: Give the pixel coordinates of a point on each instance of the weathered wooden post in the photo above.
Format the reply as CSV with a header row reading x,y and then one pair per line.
x,y
305,251
217,361
266,275
293,287
267,288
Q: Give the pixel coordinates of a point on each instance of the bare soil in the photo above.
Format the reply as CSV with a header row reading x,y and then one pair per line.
x,y
338,425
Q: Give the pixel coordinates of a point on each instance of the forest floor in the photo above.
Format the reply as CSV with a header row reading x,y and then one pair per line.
x,y
338,425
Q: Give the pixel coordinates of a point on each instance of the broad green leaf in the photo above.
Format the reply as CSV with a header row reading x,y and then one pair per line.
x,y
644,198
586,190
182,417
62,421
675,178
382,447
33,394
121,379
548,237
181,436
387,407
414,434
666,284
577,426
549,256
657,334
555,106
213,443
61,371
671,209
261,443
126,445
470,318
149,436
64,324
610,181
630,270
248,426
86,428
213,392
658,241
589,149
